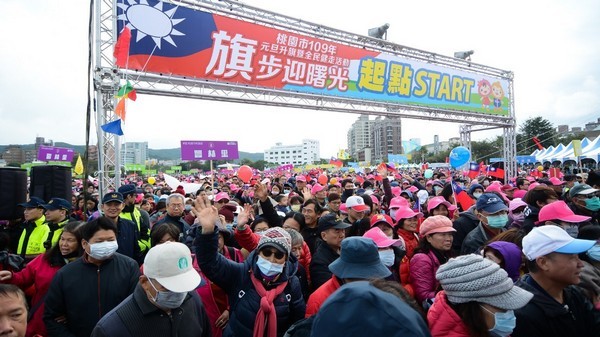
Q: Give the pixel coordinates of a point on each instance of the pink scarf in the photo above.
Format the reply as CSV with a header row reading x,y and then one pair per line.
x,y
266,313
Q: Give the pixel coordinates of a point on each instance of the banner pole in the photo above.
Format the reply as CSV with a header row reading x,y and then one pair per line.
x,y
212,179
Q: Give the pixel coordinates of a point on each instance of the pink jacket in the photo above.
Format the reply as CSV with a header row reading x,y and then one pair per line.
x,y
443,320
422,276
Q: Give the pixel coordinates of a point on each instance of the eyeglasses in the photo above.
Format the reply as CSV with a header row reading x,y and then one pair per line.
x,y
176,205
588,196
269,252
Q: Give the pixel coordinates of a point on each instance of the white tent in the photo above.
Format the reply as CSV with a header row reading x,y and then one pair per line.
x,y
548,156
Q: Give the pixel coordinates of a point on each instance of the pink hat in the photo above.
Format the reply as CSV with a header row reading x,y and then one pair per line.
x,y
407,213
374,199
396,191
398,202
317,188
221,195
556,182
429,182
439,200
436,224
343,209
532,186
300,178
559,210
413,189
381,240
507,187
233,187
530,179
516,203
519,193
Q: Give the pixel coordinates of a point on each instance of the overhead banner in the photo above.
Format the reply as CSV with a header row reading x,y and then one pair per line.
x,y
51,153
174,40
209,150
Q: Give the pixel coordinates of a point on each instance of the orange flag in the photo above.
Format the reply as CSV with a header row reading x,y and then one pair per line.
x,y
120,109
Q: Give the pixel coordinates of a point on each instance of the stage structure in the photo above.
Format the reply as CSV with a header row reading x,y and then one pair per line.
x,y
229,51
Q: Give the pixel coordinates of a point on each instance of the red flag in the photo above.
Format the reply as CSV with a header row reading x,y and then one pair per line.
x,y
537,143
496,172
554,172
121,52
473,170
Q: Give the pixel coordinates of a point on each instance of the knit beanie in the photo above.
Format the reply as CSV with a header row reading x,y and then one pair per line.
x,y
276,237
470,278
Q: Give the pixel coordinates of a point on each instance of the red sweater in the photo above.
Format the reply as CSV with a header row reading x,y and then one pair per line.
x,y
39,273
320,295
443,320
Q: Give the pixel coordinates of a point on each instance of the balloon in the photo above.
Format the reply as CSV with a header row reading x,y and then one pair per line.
x,y
459,156
151,180
245,173
333,181
322,179
428,174
540,168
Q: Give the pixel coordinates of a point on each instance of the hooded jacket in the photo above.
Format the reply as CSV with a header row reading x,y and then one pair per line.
x,y
443,320
543,316
244,300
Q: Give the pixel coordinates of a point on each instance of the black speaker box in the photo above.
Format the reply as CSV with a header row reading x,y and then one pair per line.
x,y
50,182
13,191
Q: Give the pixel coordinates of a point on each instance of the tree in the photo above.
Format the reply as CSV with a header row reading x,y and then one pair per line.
x,y
535,127
567,138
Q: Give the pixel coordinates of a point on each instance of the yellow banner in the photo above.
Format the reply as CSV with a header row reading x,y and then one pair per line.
x,y
577,147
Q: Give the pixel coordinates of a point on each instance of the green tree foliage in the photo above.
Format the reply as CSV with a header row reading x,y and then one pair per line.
x,y
535,127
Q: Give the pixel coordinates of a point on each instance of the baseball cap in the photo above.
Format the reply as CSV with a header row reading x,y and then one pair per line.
x,y
439,200
127,189
170,264
316,189
112,196
581,189
331,221
57,203
381,240
491,203
516,203
221,195
34,202
300,178
377,218
406,212
556,182
356,203
559,210
544,240
398,202
507,187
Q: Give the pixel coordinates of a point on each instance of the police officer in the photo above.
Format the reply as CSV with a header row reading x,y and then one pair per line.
x,y
132,213
127,232
57,216
35,230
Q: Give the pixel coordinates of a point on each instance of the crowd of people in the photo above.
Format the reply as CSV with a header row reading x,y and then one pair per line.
x,y
386,252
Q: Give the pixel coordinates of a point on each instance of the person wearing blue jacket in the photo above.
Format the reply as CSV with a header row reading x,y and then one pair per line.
x,y
264,293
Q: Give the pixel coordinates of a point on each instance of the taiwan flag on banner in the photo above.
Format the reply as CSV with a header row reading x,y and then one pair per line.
x,y
473,170
462,198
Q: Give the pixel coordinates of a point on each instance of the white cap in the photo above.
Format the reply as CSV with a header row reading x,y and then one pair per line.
x,y
552,239
357,203
170,264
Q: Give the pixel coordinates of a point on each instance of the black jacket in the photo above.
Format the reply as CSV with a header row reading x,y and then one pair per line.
x,y
466,222
83,292
319,265
127,238
137,316
543,316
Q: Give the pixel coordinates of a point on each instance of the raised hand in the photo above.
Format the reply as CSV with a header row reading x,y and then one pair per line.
x,y
260,191
207,214
244,216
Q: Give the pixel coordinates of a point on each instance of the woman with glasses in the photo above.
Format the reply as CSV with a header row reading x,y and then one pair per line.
x,y
264,293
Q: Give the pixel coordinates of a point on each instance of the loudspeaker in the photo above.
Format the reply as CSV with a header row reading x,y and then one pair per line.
x,y
13,191
51,182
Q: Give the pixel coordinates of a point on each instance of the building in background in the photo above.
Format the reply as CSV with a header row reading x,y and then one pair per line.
x,y
309,152
14,154
134,152
359,136
387,138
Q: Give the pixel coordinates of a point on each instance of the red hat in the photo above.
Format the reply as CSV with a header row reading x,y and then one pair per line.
x,y
559,210
507,187
436,224
377,218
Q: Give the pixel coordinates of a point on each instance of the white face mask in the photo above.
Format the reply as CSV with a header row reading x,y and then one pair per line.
x,y
103,250
387,257
269,268
477,195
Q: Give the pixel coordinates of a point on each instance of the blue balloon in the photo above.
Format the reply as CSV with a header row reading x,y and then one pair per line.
x,y
459,156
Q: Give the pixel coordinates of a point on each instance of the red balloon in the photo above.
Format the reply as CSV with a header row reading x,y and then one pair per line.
x,y
245,173
322,179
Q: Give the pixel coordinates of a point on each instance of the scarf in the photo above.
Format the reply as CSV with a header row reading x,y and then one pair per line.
x,y
266,314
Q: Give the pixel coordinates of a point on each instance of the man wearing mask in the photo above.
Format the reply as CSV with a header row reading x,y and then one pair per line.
x,y
164,302
585,201
127,233
57,216
88,288
559,214
557,308
35,230
493,217
132,213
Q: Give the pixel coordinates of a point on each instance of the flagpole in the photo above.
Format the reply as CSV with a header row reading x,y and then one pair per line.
x,y
212,180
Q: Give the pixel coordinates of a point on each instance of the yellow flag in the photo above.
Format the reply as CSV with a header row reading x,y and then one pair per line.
x,y
79,166
577,148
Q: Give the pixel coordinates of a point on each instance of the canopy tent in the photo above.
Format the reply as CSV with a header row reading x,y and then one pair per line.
x,y
562,153
548,156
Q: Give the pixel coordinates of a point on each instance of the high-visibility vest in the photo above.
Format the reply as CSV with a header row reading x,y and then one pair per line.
x,y
31,242
137,219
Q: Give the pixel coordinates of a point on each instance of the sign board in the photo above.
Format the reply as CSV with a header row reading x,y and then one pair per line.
x,y
51,153
209,150
397,159
195,44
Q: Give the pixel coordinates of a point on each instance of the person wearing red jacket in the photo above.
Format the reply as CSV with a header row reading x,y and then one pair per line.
x,y
40,271
406,228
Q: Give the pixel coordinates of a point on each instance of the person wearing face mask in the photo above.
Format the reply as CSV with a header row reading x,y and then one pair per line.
x,y
164,302
585,201
264,293
516,207
493,217
91,286
590,275
558,308
40,271
475,191
559,214
359,260
477,299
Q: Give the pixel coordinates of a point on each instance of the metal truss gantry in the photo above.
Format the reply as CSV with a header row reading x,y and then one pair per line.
x,y
177,86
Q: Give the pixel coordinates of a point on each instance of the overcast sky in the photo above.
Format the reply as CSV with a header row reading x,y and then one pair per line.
x,y
551,46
